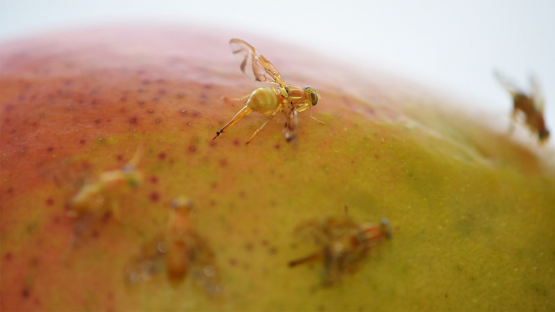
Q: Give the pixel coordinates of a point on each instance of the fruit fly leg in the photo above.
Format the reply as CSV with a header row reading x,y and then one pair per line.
x,y
310,113
115,210
236,99
240,115
313,257
264,124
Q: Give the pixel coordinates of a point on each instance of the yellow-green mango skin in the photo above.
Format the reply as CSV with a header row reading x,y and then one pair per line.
x,y
473,210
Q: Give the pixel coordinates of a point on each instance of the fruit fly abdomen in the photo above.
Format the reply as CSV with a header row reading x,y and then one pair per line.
x,y
177,261
263,100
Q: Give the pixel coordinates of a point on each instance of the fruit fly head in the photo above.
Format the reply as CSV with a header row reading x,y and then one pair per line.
x,y
312,95
131,176
182,203
385,226
543,135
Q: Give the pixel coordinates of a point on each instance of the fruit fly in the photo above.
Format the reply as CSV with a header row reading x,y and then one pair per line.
x,y
342,242
530,105
104,191
281,97
179,251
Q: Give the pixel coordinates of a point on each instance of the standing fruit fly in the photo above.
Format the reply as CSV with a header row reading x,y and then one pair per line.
x,y
280,97
179,250
530,105
342,242
105,190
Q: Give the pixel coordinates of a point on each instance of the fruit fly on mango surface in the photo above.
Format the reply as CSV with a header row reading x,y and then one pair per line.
x,y
281,97
178,251
530,105
342,243
103,192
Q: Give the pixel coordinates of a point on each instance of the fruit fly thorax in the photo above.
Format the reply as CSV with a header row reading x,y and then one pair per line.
x,y
543,134
179,222
524,104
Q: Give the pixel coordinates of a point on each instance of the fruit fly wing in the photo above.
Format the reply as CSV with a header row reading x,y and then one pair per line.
x,y
312,232
148,264
291,126
507,85
253,64
537,94
203,267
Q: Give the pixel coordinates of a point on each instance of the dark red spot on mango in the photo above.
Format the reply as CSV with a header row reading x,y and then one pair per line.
x,y
162,156
50,201
192,149
154,197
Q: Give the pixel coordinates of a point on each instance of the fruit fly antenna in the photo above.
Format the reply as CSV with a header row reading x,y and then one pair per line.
x,y
182,202
312,95
385,226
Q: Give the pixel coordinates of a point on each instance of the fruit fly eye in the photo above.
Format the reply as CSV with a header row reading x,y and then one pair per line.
x,y
386,228
314,98
313,95
544,134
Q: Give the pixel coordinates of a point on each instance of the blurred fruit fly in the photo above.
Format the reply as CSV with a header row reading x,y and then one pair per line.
x,y
342,243
104,191
530,105
280,97
179,251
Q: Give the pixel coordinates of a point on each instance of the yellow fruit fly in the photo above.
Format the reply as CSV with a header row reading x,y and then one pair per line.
x,y
104,191
342,244
530,105
280,97
179,251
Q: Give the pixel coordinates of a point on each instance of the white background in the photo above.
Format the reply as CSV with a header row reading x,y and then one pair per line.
x,y
450,45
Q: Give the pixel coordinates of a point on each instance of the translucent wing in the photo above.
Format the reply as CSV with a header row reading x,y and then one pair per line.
x,y
323,232
507,85
253,64
537,94
148,264
312,232
291,129
203,266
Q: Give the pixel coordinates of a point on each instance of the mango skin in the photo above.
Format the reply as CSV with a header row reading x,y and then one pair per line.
x,y
473,209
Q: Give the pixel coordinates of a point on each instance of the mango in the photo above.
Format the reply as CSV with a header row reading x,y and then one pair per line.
x,y
472,207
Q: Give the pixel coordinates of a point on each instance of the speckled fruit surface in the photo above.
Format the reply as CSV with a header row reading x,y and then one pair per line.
x,y
472,209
